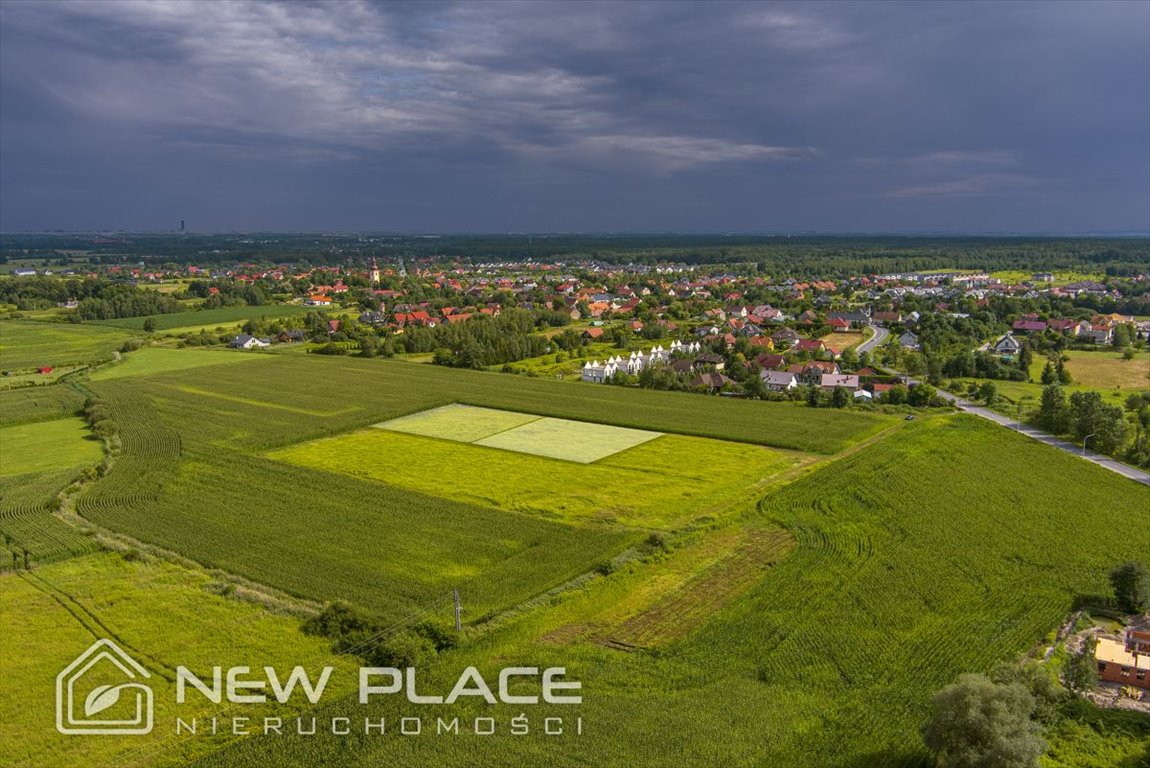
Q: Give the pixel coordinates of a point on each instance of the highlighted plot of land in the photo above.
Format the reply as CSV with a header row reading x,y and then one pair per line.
x,y
578,441
570,440
462,423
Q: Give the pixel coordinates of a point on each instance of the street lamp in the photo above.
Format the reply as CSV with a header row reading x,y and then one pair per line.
x,y
1092,434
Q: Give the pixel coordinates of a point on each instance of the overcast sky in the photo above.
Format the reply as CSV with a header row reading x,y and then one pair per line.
x,y
496,117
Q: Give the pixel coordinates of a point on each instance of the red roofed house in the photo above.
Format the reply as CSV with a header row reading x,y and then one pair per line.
x,y
810,345
1028,326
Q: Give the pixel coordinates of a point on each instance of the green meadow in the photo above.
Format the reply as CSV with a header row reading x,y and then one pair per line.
x,y
47,445
223,316
30,344
163,615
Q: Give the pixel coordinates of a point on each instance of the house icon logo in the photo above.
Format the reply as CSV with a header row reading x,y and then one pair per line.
x,y
87,703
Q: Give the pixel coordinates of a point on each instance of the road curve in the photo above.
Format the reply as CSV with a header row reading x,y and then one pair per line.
x,y
880,335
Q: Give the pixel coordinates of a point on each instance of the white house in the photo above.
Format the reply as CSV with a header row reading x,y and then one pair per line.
x,y
1007,345
246,341
779,381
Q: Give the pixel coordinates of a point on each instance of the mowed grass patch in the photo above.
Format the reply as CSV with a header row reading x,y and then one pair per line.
x,y
463,423
1107,370
578,441
661,484
152,360
162,615
841,341
47,445
29,344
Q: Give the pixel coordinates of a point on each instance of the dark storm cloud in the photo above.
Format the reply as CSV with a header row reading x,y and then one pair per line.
x,y
575,116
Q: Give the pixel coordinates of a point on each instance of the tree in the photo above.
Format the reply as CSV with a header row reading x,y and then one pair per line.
x,y
1131,583
149,325
1025,356
1053,414
921,395
841,398
896,395
1049,375
1090,416
1082,670
976,723
849,359
988,392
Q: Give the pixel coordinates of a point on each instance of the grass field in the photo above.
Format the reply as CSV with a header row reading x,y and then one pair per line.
x,y
1104,370
906,572
164,616
207,317
843,341
152,360
38,459
801,613
192,477
660,484
20,406
47,445
564,439
28,344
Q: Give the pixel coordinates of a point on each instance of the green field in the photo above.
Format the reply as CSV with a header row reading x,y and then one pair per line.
x,y
38,459
907,571
207,317
151,360
762,584
160,613
20,406
192,477
29,344
47,445
660,484
580,441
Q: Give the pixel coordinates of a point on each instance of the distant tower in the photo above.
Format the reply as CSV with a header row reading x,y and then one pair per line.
x,y
181,225
374,275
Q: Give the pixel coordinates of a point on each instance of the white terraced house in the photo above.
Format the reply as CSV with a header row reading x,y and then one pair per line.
x,y
598,373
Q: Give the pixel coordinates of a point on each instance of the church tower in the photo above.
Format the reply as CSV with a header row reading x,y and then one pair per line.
x,y
374,274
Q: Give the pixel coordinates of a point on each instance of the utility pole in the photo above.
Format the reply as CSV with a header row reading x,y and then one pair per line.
x,y
1092,434
458,608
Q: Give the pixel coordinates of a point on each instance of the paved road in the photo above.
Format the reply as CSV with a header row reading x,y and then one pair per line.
x,y
879,337
1042,437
